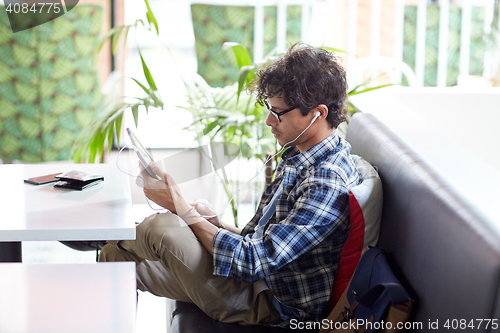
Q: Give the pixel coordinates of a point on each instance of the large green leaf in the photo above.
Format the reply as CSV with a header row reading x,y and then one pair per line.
x,y
331,49
246,75
354,92
115,38
151,17
135,114
118,128
147,73
111,131
240,52
113,31
141,85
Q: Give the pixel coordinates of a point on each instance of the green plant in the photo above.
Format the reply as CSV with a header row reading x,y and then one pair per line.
x,y
224,114
100,132
219,117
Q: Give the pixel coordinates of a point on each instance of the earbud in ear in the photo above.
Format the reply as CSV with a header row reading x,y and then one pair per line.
x,y
316,115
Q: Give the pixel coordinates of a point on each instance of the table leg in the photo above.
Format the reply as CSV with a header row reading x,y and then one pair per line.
x,y
11,252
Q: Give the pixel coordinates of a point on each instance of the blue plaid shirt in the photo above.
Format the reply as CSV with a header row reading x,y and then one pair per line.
x,y
299,251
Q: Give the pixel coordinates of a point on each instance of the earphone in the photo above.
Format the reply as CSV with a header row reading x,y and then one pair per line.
x,y
316,115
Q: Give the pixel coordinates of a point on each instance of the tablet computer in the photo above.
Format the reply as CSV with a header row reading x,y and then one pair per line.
x,y
142,153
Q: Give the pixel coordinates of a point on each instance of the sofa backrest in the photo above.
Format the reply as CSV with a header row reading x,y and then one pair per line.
x,y
444,248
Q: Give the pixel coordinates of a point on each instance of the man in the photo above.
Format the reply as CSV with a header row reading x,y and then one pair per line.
x,y
282,264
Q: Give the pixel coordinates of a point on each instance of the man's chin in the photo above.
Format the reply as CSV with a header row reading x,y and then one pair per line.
x,y
283,143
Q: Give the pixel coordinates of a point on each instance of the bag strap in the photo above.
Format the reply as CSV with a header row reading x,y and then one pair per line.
x,y
347,314
363,274
397,294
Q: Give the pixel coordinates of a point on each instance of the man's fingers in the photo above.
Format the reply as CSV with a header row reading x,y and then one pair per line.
x,y
148,181
143,170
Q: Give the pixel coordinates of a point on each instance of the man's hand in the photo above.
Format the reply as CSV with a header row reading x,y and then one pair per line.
x,y
163,192
168,195
204,209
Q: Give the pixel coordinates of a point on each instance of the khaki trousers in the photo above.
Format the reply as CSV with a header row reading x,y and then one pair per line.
x,y
171,262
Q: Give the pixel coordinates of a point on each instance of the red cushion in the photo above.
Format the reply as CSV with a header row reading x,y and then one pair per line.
x,y
351,252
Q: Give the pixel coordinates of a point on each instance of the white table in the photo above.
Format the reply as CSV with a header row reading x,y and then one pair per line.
x,y
65,298
42,212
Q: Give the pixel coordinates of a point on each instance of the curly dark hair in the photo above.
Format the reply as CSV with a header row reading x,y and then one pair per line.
x,y
306,77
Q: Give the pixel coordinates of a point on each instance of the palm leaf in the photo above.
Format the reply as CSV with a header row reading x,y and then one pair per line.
x,y
353,92
151,18
240,52
147,73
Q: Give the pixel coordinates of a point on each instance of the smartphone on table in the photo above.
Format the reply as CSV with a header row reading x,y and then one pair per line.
x,y
43,179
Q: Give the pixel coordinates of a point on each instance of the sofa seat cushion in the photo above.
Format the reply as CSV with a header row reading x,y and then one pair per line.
x,y
187,317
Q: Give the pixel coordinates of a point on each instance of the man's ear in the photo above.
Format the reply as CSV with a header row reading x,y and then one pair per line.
x,y
322,109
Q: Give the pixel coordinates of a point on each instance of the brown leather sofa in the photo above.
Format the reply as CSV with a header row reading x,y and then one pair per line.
x,y
446,249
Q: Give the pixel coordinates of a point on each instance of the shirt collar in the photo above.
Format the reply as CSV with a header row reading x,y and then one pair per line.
x,y
310,156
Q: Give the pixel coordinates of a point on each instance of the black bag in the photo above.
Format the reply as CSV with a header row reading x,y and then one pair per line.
x,y
374,301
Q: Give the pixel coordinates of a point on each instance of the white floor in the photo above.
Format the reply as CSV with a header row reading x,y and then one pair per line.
x,y
151,310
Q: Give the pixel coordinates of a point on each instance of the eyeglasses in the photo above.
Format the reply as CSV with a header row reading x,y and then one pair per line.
x,y
277,114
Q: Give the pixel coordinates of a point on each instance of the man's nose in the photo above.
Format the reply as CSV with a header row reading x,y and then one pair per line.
x,y
271,120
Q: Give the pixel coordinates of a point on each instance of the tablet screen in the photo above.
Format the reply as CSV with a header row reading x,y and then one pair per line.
x,y
139,148
144,154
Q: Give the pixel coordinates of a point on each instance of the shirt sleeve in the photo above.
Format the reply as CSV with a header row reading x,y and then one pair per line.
x,y
319,206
